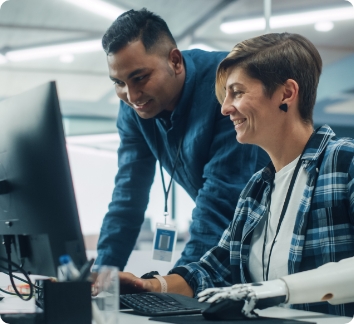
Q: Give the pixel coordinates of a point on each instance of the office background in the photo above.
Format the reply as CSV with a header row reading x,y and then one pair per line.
x,y
43,40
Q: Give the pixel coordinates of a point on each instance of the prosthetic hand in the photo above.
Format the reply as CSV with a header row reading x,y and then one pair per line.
x,y
255,295
332,282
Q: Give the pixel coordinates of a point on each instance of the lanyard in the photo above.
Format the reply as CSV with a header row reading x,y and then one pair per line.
x,y
167,191
281,218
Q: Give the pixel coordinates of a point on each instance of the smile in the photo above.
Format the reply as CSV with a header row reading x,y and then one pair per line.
x,y
238,122
140,105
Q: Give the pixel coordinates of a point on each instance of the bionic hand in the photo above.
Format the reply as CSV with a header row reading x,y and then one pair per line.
x,y
255,295
332,282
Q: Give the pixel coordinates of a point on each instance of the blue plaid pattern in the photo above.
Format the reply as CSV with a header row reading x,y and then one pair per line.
x,y
324,227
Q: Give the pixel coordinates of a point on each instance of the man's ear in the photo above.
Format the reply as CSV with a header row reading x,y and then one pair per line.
x,y
290,92
176,60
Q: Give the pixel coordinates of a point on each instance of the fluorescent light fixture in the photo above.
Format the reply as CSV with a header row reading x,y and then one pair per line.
x,y
202,46
99,7
3,59
281,21
66,58
324,26
54,50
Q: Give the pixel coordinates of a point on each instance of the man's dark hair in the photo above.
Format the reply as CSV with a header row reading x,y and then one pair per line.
x,y
273,59
135,25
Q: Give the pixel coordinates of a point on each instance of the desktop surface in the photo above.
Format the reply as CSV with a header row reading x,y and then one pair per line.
x,y
14,304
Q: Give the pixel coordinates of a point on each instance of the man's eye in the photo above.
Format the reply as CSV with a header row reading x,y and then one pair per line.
x,y
237,93
140,78
118,83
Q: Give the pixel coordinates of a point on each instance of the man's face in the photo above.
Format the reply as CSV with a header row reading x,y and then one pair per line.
x,y
147,82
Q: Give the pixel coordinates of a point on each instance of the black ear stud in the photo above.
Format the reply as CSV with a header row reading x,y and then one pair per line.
x,y
284,107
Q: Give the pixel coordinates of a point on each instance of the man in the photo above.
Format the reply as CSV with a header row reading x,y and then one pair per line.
x,y
169,112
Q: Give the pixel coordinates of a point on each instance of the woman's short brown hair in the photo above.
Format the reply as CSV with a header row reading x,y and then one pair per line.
x,y
273,59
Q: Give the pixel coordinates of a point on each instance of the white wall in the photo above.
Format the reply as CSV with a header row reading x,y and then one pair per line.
x,y
93,170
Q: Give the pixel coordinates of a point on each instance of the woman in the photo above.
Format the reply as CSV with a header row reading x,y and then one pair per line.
x,y
296,214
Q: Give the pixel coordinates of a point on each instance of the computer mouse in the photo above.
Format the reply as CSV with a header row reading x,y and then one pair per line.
x,y
225,309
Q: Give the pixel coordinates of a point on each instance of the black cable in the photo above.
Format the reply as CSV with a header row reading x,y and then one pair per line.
x,y
7,242
19,278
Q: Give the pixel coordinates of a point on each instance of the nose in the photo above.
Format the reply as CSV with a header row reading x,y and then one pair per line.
x,y
227,107
131,93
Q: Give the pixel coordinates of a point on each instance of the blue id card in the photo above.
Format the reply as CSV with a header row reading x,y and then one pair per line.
x,y
164,242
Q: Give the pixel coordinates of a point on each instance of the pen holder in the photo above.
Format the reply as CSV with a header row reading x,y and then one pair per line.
x,y
67,302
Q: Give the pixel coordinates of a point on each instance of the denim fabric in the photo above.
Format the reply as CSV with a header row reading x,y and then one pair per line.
x,y
212,167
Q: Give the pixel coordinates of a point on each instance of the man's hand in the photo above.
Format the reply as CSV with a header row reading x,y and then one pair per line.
x,y
130,284
256,295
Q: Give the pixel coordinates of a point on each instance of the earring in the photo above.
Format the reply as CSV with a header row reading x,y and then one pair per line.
x,y
283,107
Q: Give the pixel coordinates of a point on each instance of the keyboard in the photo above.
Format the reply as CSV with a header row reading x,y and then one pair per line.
x,y
161,304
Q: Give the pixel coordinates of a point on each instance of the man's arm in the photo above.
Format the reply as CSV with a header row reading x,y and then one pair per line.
x,y
213,270
122,223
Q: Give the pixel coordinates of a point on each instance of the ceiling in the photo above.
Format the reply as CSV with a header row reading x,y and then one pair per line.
x,y
86,93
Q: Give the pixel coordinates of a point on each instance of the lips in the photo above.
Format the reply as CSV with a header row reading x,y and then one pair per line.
x,y
238,122
140,105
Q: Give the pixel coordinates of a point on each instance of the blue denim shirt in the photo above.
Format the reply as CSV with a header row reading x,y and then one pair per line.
x,y
212,166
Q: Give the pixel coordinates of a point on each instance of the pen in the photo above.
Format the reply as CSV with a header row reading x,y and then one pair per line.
x,y
85,270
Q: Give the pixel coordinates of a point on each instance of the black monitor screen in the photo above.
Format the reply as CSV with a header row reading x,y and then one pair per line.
x,y
37,201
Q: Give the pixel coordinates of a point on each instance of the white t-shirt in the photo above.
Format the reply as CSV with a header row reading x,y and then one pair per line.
x,y
280,254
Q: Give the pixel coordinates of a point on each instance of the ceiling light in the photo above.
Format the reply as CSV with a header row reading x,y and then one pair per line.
x,y
54,50
3,59
202,46
98,7
281,21
324,26
66,58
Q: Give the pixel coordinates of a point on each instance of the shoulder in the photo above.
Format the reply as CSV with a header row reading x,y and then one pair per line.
x,y
339,154
205,62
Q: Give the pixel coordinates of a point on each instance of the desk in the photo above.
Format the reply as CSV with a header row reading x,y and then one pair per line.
x,y
142,261
15,303
278,312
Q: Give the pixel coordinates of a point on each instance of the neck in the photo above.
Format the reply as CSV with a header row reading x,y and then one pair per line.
x,y
289,146
179,88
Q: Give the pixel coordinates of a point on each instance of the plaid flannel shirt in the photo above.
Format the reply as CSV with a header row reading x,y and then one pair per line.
x,y
323,231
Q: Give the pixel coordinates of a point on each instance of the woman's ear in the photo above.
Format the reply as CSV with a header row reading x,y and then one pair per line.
x,y
290,93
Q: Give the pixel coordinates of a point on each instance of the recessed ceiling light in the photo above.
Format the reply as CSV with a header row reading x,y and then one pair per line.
x,y
99,7
282,21
324,26
66,58
54,50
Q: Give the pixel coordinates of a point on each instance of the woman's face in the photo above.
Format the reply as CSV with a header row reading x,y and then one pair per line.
x,y
254,115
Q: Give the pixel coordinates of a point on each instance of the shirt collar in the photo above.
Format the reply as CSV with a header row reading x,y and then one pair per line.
x,y
184,103
315,147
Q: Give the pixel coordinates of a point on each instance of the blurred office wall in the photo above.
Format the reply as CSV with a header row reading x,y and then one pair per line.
x,y
43,40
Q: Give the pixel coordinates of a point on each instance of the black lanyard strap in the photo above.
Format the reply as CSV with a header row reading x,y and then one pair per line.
x,y
282,215
166,192
285,206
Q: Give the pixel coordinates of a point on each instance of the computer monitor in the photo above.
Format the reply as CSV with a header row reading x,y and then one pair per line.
x,y
37,201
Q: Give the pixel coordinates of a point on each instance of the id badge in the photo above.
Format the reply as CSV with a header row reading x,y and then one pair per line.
x,y
164,242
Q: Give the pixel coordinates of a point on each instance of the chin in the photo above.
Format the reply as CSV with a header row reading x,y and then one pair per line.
x,y
146,114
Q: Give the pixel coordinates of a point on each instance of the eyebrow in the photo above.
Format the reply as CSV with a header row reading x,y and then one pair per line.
x,y
131,75
134,73
233,84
